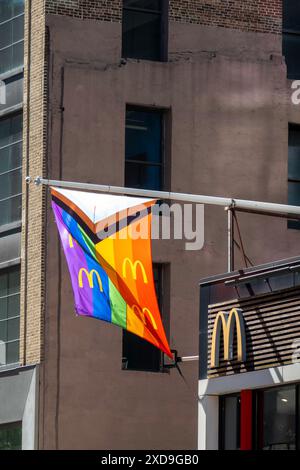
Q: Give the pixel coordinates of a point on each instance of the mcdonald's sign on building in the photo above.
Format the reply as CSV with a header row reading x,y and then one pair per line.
x,y
249,358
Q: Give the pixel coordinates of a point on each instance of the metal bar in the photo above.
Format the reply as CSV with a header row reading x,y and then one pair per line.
x,y
194,198
230,231
188,358
270,214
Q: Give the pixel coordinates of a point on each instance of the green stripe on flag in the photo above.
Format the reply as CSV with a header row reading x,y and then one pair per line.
x,y
118,306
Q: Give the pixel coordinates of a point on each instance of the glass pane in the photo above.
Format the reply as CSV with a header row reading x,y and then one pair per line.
x,y
3,307
5,125
13,329
3,331
18,55
231,423
12,352
11,436
279,419
6,59
294,194
142,176
10,183
11,92
291,51
10,157
6,10
18,29
2,353
143,4
138,354
3,283
13,305
141,35
294,152
291,14
6,34
18,7
14,280
16,127
10,210
143,148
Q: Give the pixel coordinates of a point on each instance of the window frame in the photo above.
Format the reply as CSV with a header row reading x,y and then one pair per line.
x,y
13,70
14,425
163,301
286,32
293,224
14,223
164,144
164,30
6,267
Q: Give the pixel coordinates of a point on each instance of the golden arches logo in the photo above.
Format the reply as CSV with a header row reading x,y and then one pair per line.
x,y
90,278
71,241
142,314
133,268
228,323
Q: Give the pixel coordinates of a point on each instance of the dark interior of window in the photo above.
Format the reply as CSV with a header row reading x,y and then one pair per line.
x,y
138,354
143,27
230,422
11,436
143,149
291,37
294,171
275,423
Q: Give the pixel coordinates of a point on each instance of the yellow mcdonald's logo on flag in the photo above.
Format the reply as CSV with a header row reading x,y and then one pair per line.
x,y
90,278
228,323
141,313
133,268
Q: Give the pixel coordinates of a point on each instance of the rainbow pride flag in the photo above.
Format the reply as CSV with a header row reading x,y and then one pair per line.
x,y
107,243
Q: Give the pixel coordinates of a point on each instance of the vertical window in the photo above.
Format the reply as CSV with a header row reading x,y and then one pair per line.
x,y
291,37
294,171
11,436
9,315
278,419
10,169
144,162
138,354
230,422
11,34
145,29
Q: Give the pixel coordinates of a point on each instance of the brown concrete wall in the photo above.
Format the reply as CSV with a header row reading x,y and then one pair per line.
x,y
229,138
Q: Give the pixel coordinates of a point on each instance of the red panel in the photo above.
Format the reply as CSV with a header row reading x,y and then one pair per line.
x,y
246,420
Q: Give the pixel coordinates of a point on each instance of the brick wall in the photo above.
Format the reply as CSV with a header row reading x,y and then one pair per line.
x,y
33,202
105,10
251,15
263,16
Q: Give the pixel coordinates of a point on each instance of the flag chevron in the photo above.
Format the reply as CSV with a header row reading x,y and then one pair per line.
x,y
112,277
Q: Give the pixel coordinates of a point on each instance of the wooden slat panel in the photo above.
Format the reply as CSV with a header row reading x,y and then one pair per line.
x,y
272,323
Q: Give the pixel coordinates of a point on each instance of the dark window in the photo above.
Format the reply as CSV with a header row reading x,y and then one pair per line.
x,y
291,37
144,162
277,422
138,354
144,29
9,315
10,169
230,422
11,34
294,171
11,436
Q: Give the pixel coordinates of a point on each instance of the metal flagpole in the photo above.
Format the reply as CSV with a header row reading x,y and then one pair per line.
x,y
238,204
230,204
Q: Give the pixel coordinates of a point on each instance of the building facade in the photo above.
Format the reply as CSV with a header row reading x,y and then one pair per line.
x,y
249,364
189,96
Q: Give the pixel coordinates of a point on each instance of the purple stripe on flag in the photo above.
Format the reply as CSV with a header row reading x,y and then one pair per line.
x,y
77,263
